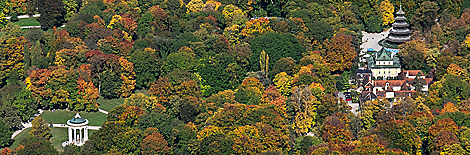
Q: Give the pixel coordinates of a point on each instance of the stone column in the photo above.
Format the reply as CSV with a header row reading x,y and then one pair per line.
x,y
86,134
81,137
75,136
70,135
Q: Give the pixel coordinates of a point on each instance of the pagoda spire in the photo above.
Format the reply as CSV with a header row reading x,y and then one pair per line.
x,y
399,32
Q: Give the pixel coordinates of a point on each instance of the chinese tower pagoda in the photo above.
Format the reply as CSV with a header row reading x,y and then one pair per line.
x,y
399,32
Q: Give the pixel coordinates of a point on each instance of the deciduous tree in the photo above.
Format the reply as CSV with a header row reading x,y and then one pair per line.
x,y
40,129
339,52
52,13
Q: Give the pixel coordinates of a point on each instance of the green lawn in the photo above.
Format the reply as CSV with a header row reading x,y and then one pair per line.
x,y
61,117
18,137
27,22
59,135
109,105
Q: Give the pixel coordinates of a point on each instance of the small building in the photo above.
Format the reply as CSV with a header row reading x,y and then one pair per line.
x,y
78,131
411,74
384,64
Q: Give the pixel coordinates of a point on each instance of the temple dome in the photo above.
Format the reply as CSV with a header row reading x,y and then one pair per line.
x,y
77,120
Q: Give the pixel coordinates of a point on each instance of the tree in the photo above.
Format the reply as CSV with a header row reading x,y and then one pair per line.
x,y
216,144
116,135
25,104
71,7
335,130
443,139
320,31
302,143
3,20
142,59
446,124
195,6
5,134
154,143
256,27
7,151
425,16
40,128
413,55
183,59
401,135
219,73
303,105
11,57
52,13
35,145
145,102
339,52
387,10
276,46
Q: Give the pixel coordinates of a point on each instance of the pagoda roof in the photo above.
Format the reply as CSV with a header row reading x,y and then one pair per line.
x,y
400,18
400,24
398,40
400,12
405,31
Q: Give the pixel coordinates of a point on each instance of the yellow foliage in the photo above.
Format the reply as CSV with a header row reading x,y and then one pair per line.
x,y
387,10
113,21
467,40
257,27
455,69
232,33
208,131
28,83
194,6
283,83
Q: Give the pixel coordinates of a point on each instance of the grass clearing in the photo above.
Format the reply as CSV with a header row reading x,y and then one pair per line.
x,y
59,135
61,116
27,22
109,105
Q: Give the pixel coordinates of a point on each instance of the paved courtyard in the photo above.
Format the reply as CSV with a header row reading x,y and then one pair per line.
x,y
371,40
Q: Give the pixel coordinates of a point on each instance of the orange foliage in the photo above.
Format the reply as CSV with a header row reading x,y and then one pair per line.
x,y
161,89
339,52
449,107
127,77
154,143
6,151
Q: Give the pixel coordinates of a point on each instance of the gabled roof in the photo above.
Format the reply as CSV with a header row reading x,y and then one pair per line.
x,y
413,72
391,83
428,81
383,55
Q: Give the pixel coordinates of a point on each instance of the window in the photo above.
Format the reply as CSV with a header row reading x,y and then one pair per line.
x,y
389,62
379,72
388,72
